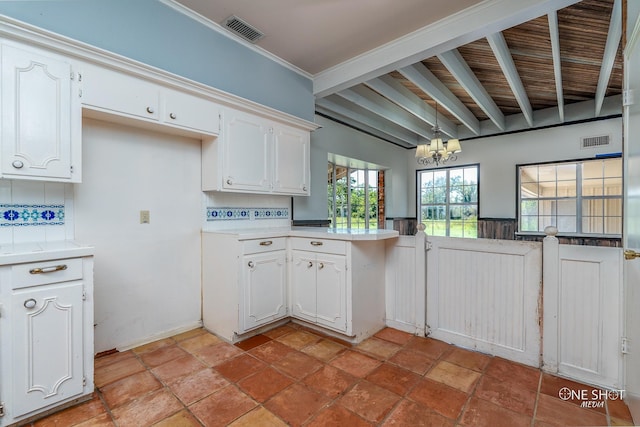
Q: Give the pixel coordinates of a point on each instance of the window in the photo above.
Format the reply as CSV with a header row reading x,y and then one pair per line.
x,y
356,199
448,201
583,197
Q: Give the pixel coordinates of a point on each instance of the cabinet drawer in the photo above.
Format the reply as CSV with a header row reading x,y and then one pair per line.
x,y
338,247
45,272
263,245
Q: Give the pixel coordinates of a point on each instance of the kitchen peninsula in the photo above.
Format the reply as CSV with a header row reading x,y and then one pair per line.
x,y
328,279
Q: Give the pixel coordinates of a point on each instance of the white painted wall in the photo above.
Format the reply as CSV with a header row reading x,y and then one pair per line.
x,y
499,155
147,276
344,141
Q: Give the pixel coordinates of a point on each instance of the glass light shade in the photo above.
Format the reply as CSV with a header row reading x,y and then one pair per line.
x,y
422,150
453,146
436,145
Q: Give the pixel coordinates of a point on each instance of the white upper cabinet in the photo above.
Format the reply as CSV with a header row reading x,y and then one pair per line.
x,y
246,164
132,97
40,116
291,160
119,93
256,155
190,112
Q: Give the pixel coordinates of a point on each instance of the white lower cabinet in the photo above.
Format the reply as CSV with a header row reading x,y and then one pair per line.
x,y
264,288
337,285
318,288
46,336
244,283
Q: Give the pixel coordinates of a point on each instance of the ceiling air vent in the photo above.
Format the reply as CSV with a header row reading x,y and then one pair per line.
x,y
242,29
594,141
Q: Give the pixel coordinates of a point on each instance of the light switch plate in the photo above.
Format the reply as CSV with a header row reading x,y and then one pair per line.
x,y
144,217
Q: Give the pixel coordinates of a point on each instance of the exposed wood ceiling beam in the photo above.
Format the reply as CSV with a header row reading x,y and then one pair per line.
x,y
459,69
610,50
503,55
420,75
555,51
383,136
347,109
379,105
478,21
393,90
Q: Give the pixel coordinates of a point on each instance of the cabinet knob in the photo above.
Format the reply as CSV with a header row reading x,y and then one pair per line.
x,y
304,188
251,264
172,115
320,266
17,164
150,110
30,303
310,264
229,181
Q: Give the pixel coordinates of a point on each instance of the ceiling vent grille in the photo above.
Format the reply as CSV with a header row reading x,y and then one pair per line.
x,y
241,28
594,141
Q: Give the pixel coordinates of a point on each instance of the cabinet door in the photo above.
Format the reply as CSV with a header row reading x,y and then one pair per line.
x,y
47,359
118,93
291,160
331,306
191,112
264,284
246,156
303,285
36,115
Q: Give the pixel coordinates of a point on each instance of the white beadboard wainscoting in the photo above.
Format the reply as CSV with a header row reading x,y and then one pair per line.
x,y
488,295
405,283
483,294
582,313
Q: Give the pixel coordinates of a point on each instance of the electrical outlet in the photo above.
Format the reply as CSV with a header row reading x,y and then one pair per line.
x,y
144,217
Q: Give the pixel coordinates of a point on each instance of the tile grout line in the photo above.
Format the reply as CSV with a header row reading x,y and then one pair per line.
x,y
535,405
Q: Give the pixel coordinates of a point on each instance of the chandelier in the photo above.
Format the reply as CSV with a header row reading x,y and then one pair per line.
x,y
437,151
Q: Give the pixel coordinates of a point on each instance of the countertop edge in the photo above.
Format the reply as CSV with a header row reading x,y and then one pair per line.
x,y
310,232
45,255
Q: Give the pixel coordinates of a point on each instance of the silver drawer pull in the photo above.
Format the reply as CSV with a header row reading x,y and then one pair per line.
x,y
251,264
266,243
172,115
316,243
310,264
320,265
51,269
30,303
150,110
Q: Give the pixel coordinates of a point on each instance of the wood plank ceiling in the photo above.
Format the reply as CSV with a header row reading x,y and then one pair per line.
x,y
557,68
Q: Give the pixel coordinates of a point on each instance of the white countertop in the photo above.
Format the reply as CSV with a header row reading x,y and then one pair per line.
x,y
41,251
311,232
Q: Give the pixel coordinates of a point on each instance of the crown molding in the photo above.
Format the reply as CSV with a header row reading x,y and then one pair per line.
x,y
219,29
19,31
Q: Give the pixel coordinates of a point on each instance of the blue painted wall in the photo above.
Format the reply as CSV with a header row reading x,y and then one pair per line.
x,y
155,34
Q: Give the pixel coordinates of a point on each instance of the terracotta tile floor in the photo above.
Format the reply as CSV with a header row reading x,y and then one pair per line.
x,y
294,376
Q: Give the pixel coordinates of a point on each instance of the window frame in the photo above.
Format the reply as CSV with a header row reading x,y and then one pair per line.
x,y
367,204
447,204
579,198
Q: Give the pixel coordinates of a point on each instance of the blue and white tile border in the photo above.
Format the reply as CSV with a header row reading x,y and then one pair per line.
x,y
226,214
19,215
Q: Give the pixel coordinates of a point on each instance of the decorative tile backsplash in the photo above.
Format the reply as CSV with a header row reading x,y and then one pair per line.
x,y
226,214
18,215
